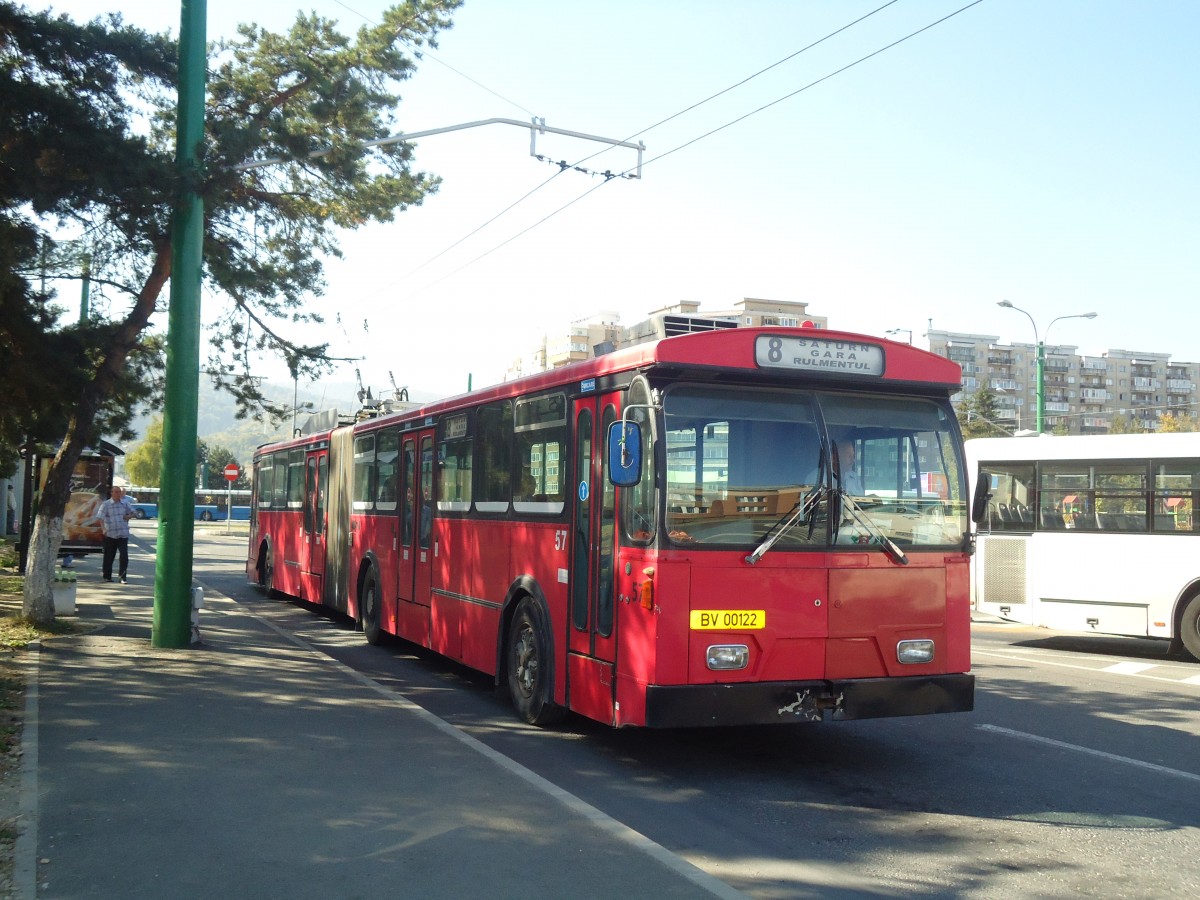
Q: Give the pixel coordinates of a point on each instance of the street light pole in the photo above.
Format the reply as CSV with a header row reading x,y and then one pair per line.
x,y
1041,357
907,331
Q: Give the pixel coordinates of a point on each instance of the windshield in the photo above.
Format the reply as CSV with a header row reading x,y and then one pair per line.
x,y
740,459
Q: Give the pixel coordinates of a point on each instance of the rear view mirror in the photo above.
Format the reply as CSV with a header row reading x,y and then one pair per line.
x,y
625,453
979,503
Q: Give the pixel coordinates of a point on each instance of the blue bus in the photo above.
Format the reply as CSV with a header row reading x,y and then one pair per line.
x,y
210,505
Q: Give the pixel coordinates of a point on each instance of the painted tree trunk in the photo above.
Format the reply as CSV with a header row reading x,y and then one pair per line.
x,y
38,598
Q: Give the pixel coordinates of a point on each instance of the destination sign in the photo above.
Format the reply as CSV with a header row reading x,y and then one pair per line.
x,y
818,354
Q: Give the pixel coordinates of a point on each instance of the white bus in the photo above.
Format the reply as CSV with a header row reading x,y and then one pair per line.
x,y
1095,533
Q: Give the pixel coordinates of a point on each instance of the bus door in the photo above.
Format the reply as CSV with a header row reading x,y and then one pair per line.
x,y
316,475
592,646
415,551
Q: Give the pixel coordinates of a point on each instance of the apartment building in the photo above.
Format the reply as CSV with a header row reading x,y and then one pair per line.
x,y
602,332
1083,393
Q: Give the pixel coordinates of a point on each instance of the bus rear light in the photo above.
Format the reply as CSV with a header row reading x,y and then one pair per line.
x,y
728,656
914,652
646,588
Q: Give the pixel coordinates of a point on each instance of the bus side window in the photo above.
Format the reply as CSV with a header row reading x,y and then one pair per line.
x,y
364,473
1013,496
604,562
638,508
425,523
406,480
386,466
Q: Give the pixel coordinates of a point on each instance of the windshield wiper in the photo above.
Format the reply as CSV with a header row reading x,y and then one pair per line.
x,y
804,507
863,519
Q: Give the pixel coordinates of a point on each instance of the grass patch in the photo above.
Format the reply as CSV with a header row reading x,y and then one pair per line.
x,y
16,633
12,700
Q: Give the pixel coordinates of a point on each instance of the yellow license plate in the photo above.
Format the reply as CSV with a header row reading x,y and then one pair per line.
x,y
728,619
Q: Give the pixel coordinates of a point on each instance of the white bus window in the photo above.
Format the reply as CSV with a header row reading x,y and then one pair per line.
x,y
1176,489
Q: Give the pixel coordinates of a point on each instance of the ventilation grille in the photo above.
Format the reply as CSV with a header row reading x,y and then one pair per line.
x,y
673,325
1004,570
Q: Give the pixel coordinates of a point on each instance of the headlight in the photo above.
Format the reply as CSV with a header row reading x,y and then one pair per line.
x,y
912,652
728,656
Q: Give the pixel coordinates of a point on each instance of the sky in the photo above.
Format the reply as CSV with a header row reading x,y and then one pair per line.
x,y
1040,152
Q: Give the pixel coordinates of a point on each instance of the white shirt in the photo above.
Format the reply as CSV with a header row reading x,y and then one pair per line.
x,y
852,484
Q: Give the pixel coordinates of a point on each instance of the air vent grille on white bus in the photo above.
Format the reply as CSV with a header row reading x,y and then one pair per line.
x,y
1003,569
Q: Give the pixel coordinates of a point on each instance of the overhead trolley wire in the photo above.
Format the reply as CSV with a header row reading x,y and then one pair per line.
x,y
811,84
669,118
695,140
422,53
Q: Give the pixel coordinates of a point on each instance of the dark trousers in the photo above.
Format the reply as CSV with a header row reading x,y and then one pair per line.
x,y
111,546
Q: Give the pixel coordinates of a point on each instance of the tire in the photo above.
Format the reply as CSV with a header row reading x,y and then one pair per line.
x,y
206,516
139,514
528,665
368,601
266,572
1189,627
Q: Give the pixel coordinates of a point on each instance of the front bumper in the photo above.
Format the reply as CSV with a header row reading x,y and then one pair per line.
x,y
698,705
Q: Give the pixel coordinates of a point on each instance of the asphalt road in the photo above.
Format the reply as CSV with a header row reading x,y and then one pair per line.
x,y
1077,773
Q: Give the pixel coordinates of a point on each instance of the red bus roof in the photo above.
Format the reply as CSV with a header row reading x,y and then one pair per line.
x,y
816,355
734,349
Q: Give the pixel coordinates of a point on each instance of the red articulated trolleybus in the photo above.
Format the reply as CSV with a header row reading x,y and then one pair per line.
x,y
724,528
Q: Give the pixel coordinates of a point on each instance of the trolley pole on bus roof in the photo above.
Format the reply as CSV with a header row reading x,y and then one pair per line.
x,y
173,566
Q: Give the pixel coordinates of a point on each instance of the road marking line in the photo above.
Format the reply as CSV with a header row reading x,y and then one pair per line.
x,y
677,863
1036,658
1129,668
1112,757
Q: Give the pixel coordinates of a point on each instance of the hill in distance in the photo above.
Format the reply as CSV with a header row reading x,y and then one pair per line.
x,y
217,423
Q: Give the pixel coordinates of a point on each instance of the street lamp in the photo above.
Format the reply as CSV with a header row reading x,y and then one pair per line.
x,y
1041,356
907,331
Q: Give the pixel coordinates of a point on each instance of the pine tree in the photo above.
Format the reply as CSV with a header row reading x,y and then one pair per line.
x,y
76,156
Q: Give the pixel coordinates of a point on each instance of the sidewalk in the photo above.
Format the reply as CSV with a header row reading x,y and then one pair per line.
x,y
252,766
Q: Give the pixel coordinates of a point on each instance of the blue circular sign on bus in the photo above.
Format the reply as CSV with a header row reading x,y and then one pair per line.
x,y
583,490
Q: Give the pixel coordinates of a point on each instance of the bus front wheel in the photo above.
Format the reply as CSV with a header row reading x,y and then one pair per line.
x,y
369,601
206,516
1189,627
528,667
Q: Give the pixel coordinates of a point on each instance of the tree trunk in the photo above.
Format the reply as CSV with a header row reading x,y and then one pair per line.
x,y
37,600
37,597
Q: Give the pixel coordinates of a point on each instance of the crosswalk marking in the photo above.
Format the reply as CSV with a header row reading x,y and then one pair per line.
x,y
1162,672
1129,668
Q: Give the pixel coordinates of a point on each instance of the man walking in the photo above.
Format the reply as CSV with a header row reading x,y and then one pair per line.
x,y
115,513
